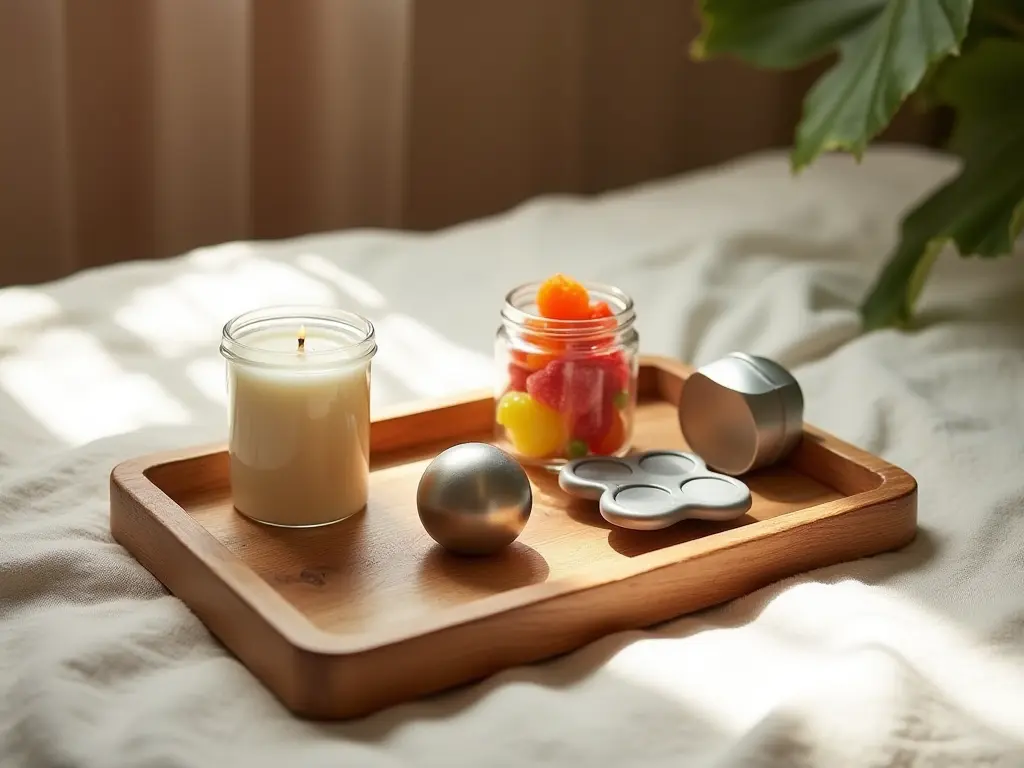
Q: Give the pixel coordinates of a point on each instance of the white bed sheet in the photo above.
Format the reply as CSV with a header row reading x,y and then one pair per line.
x,y
912,658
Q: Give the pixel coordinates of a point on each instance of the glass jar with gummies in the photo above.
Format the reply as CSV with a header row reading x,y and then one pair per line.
x,y
566,360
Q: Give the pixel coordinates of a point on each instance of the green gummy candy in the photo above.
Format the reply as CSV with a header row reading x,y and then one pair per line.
x,y
577,449
621,399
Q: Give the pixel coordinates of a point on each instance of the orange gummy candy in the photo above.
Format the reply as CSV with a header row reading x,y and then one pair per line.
x,y
562,298
532,361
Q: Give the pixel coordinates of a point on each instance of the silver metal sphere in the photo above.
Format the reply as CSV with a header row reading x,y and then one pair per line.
x,y
474,499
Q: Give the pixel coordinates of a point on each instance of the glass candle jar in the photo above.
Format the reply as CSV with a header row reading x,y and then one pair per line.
x,y
299,414
565,388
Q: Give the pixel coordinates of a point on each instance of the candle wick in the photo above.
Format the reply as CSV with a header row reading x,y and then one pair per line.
x,y
302,339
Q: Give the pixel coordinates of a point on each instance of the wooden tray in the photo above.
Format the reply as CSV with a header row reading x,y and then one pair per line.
x,y
345,620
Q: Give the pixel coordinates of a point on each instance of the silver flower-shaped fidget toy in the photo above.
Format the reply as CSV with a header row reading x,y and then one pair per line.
x,y
656,489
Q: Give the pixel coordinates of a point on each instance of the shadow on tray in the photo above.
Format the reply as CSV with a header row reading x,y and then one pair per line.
x,y
516,566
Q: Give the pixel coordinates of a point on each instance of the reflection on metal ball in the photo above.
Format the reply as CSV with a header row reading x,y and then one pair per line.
x,y
474,499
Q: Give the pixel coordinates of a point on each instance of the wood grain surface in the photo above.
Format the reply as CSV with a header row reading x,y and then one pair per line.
x,y
344,620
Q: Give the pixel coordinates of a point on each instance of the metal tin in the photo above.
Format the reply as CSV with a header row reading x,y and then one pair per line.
x,y
474,499
741,412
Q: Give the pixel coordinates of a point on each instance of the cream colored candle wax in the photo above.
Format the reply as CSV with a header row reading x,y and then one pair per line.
x,y
299,420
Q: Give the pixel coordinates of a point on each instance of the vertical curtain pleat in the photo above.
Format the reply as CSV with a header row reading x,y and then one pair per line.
x,y
495,105
327,114
202,128
283,141
109,77
362,53
36,222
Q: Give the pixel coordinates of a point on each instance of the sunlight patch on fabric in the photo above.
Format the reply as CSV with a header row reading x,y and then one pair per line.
x,y
188,313
427,362
87,395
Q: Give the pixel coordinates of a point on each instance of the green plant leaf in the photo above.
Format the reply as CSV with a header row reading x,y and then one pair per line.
x,y
981,210
879,66
885,49
778,34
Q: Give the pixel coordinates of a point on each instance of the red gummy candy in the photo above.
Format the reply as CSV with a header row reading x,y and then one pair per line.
x,y
569,386
613,439
583,391
589,392
517,376
616,367
592,426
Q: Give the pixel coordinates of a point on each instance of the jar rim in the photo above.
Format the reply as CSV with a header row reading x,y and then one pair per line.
x,y
356,329
621,303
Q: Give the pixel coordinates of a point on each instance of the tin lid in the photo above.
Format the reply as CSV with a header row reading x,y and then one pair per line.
x,y
741,412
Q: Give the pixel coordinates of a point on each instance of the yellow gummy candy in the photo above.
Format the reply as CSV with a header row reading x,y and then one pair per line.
x,y
534,429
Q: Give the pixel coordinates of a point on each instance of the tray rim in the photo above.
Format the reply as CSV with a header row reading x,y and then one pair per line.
x,y
290,624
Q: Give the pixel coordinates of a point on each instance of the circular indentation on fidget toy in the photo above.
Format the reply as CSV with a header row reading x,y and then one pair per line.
x,y
711,490
602,469
644,499
667,464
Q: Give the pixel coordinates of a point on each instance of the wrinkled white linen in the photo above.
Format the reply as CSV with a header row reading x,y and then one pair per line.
x,y
911,658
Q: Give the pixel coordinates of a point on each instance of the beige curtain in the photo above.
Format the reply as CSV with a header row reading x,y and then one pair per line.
x,y
142,128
